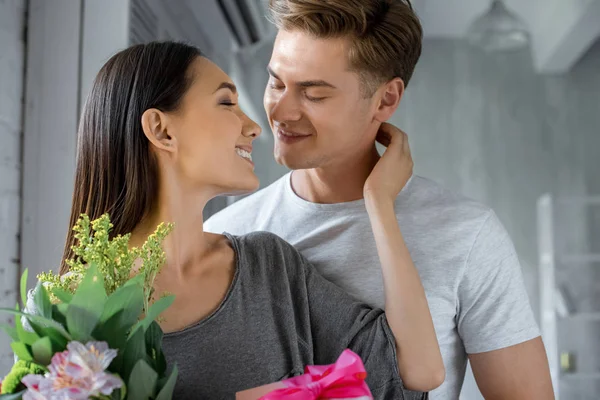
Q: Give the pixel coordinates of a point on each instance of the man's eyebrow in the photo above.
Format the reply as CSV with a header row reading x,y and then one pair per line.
x,y
318,82
305,84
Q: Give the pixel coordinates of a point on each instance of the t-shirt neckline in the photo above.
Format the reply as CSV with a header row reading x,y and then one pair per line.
x,y
327,207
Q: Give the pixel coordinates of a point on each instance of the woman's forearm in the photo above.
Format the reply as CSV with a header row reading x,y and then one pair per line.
x,y
419,358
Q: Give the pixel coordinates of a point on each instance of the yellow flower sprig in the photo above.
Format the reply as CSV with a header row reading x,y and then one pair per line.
x,y
114,258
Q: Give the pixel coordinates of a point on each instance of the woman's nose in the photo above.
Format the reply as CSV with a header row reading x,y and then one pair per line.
x,y
251,128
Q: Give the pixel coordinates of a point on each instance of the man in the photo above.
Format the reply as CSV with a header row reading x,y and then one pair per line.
x,y
338,71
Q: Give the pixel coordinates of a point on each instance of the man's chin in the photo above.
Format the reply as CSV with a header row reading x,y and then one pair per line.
x,y
293,163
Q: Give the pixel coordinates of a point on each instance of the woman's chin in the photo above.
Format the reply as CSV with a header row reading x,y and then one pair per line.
x,y
251,184
242,188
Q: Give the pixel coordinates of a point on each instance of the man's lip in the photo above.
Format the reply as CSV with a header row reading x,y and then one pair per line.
x,y
287,132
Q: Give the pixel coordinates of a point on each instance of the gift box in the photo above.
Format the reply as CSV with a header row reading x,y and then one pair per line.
x,y
344,380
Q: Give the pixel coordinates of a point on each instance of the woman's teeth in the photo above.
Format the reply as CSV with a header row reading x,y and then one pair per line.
x,y
243,153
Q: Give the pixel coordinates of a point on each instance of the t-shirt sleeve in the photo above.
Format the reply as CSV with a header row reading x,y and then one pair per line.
x,y
339,322
494,310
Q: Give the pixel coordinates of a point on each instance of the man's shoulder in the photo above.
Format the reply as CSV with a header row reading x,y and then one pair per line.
x,y
474,229
427,197
246,210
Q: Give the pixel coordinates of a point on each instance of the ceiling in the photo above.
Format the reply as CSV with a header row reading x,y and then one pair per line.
x,y
451,18
561,30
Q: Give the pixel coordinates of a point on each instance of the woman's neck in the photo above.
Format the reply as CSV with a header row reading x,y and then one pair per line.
x,y
187,244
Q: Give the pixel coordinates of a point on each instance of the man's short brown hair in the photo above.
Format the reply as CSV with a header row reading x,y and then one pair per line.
x,y
385,35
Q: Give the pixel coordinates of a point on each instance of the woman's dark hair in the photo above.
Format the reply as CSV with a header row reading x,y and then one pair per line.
x,y
115,170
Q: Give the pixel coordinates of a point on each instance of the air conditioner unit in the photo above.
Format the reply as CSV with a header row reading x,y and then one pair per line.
x,y
246,20
151,20
220,28
143,22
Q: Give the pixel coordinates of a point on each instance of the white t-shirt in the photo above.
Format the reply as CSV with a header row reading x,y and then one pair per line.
x,y
466,260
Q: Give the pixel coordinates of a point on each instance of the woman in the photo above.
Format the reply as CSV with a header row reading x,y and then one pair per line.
x,y
161,135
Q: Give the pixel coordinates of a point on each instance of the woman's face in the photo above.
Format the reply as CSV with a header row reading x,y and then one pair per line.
x,y
213,137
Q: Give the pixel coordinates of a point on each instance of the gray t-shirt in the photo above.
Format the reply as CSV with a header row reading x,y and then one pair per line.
x,y
279,316
465,258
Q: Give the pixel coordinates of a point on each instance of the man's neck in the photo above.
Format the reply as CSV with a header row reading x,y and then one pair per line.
x,y
336,183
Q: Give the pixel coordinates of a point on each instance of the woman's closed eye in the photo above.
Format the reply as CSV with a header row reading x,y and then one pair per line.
x,y
228,102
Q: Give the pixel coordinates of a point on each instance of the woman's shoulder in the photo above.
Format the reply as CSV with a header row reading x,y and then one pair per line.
x,y
263,238
267,249
265,242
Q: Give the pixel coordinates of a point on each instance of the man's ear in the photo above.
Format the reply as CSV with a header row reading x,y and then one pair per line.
x,y
155,127
389,96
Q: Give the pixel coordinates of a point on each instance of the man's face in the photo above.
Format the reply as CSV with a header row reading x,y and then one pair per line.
x,y
315,105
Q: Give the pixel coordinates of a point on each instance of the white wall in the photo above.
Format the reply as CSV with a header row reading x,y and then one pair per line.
x,y
50,127
492,128
12,16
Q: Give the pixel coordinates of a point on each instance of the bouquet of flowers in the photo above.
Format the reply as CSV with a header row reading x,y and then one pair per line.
x,y
92,333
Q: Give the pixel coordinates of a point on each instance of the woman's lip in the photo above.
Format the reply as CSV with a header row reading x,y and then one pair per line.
x,y
250,161
245,148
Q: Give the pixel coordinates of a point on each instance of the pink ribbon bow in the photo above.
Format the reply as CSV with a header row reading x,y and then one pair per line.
x,y
344,379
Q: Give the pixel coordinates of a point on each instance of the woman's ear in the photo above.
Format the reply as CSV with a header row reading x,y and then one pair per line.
x,y
155,127
389,99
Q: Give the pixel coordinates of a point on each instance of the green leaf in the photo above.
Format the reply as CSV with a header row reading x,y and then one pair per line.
x,y
90,295
155,310
62,309
84,310
81,323
13,396
42,351
135,350
142,381
136,280
37,329
40,320
21,350
154,336
59,342
25,336
24,287
10,331
129,299
59,313
166,393
42,301
62,295
117,394
114,331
